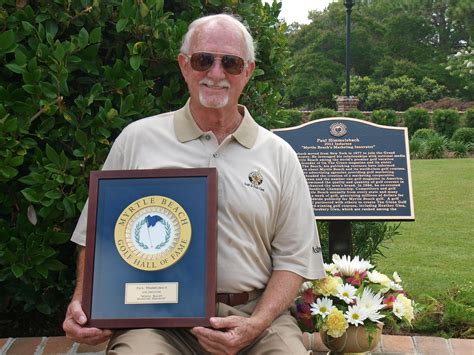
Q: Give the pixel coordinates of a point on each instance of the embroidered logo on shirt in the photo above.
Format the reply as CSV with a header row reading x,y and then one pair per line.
x,y
256,179
316,250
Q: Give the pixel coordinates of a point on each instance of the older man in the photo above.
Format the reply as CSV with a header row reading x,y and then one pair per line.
x,y
267,240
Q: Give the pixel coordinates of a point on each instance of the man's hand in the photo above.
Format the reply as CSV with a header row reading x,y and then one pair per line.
x,y
230,334
73,325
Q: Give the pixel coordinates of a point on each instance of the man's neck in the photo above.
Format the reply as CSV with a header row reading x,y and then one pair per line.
x,y
222,122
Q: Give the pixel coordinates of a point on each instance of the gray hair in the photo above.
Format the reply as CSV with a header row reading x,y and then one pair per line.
x,y
250,46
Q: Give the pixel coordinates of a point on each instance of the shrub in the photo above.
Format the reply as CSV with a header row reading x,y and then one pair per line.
x,y
356,114
469,118
385,117
446,122
435,147
289,118
367,238
417,147
459,149
72,75
424,133
464,134
323,113
416,118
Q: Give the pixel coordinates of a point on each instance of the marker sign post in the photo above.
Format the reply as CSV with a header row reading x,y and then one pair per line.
x,y
356,170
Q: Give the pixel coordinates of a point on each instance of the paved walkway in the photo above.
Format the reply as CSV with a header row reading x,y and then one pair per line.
x,y
390,344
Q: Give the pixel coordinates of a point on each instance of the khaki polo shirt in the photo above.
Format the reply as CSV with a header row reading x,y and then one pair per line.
x,y
265,214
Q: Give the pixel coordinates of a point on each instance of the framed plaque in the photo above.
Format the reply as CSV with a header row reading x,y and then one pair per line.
x,y
151,248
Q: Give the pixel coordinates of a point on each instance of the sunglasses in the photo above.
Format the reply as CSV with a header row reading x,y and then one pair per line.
x,y
202,61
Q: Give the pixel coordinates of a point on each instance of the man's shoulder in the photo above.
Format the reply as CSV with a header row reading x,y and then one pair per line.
x,y
156,124
268,137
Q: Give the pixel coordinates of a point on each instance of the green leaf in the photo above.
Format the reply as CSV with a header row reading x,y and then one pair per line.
x,y
44,308
7,42
17,161
52,155
53,194
95,35
159,4
19,69
59,52
144,10
31,195
8,172
28,27
135,61
54,265
121,24
81,138
69,207
83,37
59,238
18,270
42,270
32,89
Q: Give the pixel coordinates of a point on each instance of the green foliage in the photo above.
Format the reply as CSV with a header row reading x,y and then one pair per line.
x,y
368,239
446,122
428,144
416,118
450,315
413,41
73,74
322,113
398,93
464,134
356,114
459,149
416,148
435,147
469,118
424,133
290,118
385,117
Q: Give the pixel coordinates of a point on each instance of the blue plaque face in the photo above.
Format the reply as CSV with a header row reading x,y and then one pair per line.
x,y
355,169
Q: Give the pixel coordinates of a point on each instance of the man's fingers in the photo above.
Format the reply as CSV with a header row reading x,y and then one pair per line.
x,y
77,312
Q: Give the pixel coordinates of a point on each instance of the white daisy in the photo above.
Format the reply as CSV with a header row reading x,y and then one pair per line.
x,y
346,293
371,303
355,315
348,267
323,307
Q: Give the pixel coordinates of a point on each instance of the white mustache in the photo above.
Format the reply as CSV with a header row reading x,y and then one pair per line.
x,y
221,83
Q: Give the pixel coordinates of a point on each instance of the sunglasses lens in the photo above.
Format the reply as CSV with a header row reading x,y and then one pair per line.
x,y
203,61
233,64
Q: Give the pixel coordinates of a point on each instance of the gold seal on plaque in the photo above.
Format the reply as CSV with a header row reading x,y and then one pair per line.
x,y
152,233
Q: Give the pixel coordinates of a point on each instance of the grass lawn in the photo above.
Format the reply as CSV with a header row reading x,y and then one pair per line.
x,y
437,249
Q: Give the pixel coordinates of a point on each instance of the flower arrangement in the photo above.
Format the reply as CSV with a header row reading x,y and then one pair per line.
x,y
352,293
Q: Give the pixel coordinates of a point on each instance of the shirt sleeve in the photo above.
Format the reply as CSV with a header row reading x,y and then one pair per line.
x,y
296,246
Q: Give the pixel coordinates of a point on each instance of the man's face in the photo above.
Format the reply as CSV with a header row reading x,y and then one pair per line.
x,y
216,88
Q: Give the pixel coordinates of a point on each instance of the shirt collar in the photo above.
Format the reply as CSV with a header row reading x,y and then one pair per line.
x,y
186,128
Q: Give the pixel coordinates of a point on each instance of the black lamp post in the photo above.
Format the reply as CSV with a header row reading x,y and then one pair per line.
x,y
348,4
